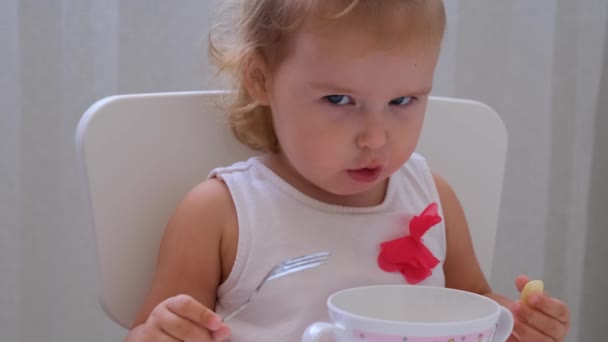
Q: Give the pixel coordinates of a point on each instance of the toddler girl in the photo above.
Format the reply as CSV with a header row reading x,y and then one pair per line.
x,y
333,94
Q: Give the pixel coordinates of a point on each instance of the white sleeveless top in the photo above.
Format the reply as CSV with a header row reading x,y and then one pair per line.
x,y
277,222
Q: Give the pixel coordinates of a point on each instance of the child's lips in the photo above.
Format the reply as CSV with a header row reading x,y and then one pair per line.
x,y
366,174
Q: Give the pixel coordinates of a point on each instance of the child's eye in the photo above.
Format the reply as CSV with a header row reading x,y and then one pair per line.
x,y
401,101
339,99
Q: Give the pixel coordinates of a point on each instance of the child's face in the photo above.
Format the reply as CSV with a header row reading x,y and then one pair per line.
x,y
347,111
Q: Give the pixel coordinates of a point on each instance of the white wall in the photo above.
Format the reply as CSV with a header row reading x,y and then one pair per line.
x,y
594,299
10,160
537,62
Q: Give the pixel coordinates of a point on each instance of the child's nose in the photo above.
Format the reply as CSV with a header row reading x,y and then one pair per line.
x,y
373,135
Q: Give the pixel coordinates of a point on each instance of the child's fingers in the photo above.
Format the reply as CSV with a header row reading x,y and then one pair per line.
x,y
540,321
525,332
513,338
187,307
520,282
173,327
551,306
221,334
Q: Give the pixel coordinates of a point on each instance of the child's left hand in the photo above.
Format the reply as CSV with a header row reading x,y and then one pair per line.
x,y
543,319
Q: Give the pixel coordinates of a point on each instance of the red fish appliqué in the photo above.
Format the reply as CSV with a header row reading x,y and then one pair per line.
x,y
408,255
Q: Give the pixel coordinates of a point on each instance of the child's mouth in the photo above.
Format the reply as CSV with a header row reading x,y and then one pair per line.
x,y
366,174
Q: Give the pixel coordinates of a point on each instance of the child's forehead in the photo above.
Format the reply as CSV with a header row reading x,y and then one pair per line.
x,y
386,28
349,39
380,17
357,60
389,26
345,44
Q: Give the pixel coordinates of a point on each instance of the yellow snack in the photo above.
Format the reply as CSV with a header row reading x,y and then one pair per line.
x,y
533,286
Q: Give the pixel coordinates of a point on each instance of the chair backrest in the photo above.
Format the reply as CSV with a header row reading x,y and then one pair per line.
x,y
141,153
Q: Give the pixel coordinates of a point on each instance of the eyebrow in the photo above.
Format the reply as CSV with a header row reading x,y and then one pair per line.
x,y
330,87
325,86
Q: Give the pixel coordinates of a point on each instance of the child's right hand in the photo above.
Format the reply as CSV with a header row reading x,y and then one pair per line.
x,y
181,318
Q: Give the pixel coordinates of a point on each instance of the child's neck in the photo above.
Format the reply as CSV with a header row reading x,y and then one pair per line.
x,y
279,164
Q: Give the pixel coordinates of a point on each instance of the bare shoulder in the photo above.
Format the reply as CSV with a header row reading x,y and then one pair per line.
x,y
209,201
195,248
462,270
200,218
443,187
449,201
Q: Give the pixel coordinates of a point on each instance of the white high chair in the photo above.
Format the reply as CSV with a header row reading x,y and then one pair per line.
x,y
141,153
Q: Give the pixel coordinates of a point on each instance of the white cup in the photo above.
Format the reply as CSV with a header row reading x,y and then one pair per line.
x,y
400,313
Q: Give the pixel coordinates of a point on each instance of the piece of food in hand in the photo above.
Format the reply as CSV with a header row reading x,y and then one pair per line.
x,y
533,286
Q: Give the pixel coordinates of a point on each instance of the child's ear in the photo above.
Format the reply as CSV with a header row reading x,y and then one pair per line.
x,y
256,79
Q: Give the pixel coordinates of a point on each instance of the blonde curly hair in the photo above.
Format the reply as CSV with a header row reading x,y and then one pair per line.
x,y
252,29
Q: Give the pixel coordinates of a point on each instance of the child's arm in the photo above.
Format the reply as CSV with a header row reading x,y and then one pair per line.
x,y
462,270
548,320
196,254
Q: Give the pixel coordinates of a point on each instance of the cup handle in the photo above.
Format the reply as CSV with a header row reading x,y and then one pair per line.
x,y
504,327
317,330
